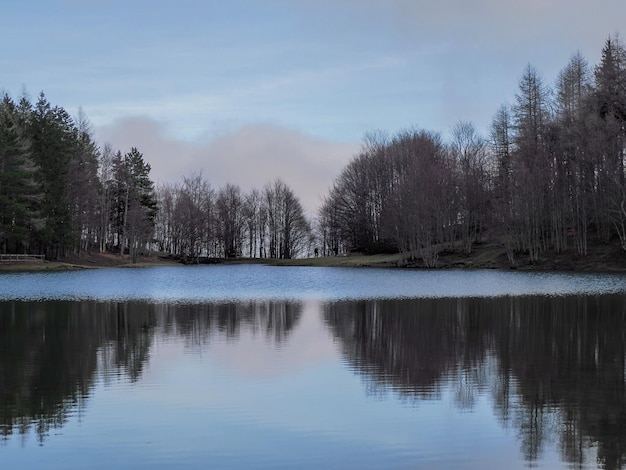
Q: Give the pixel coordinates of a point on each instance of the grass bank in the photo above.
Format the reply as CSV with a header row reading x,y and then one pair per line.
x,y
600,258
87,260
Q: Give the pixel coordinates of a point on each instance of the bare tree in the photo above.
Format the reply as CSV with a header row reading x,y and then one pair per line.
x,y
192,206
106,177
469,152
574,166
502,148
329,225
288,229
532,169
230,219
251,212
84,185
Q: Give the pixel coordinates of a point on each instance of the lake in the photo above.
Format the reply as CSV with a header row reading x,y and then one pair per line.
x,y
252,366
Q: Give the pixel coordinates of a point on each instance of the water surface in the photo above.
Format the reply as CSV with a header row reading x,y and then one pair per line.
x,y
237,378
245,282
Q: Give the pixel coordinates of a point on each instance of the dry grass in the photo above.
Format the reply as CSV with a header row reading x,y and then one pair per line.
x,y
488,255
354,261
86,260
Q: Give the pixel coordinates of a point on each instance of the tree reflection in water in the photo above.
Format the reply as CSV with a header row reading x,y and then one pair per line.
x,y
555,367
52,353
197,322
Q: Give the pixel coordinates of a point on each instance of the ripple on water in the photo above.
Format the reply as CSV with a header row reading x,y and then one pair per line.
x,y
255,282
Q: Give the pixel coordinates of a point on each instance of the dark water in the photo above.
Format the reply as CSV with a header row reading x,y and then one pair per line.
x,y
469,382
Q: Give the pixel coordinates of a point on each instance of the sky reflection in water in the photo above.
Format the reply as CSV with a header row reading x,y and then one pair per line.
x,y
245,282
502,382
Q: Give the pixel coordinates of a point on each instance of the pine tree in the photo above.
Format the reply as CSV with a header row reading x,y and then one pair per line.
x,y
610,141
610,77
53,144
135,206
17,188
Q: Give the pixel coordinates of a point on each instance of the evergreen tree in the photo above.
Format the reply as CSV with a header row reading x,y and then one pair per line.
x,y
17,189
84,186
610,142
610,77
53,144
135,206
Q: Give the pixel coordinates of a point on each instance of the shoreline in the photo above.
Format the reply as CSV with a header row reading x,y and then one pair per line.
x,y
87,261
600,258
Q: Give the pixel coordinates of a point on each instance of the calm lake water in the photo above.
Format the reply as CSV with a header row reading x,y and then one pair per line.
x,y
281,367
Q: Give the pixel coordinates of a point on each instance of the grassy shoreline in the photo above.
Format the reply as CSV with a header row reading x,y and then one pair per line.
x,y
600,258
87,261
603,259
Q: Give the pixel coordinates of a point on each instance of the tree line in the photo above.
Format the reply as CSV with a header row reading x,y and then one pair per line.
x,y
61,194
195,220
52,354
540,360
549,177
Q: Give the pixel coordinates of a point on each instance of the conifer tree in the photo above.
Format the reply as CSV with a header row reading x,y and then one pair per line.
x,y
135,202
52,146
17,188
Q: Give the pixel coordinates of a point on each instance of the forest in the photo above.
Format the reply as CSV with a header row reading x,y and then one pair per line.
x,y
548,178
61,195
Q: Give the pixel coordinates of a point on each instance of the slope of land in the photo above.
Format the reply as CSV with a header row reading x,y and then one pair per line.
x,y
88,260
487,255
600,258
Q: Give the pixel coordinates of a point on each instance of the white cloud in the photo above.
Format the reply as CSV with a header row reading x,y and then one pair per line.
x,y
333,69
250,156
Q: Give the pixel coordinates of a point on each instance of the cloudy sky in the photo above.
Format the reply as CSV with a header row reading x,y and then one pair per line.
x,y
249,90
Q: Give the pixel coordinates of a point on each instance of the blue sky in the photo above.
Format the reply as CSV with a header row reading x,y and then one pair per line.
x,y
246,90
